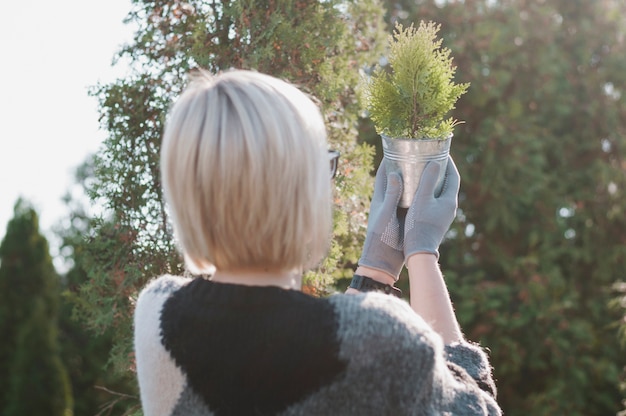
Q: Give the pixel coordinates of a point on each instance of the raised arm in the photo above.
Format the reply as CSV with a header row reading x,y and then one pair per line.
x,y
430,298
427,221
395,237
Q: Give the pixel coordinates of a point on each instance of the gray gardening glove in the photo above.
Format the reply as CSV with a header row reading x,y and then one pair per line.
x,y
383,243
429,216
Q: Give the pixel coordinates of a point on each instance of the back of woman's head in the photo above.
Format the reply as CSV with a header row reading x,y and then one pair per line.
x,y
245,173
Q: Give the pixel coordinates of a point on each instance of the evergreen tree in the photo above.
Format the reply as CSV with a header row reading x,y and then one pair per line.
x,y
39,384
95,387
32,377
539,239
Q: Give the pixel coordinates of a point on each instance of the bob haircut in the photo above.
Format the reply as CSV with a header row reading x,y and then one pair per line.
x,y
245,172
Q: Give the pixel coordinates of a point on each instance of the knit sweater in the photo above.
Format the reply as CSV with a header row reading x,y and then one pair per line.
x,y
206,348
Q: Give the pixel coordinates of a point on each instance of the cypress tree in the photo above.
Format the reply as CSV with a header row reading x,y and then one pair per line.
x,y
32,377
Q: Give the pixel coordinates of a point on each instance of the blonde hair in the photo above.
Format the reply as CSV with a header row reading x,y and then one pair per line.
x,y
246,175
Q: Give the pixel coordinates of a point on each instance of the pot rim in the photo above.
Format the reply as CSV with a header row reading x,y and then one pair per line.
x,y
422,139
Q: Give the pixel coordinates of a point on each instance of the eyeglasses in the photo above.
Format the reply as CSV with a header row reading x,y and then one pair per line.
x,y
333,157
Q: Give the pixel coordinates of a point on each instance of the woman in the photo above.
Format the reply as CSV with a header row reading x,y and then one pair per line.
x,y
245,171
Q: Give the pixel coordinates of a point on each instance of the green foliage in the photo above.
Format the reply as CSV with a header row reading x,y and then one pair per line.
x,y
539,239
412,100
96,388
39,381
319,46
619,304
33,379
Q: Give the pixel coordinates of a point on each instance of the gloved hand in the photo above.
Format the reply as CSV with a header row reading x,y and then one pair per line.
x,y
429,217
383,243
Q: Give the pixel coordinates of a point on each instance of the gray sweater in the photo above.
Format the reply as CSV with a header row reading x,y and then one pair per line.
x,y
206,348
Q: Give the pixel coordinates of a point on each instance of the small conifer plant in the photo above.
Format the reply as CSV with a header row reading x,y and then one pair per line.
x,y
412,99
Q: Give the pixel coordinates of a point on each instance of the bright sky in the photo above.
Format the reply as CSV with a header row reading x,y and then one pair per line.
x,y
52,51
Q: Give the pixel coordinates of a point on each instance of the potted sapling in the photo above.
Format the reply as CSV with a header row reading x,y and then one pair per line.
x,y
408,102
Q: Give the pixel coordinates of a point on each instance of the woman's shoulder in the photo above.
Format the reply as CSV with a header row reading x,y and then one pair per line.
x,y
374,309
383,336
156,291
377,319
161,381
165,284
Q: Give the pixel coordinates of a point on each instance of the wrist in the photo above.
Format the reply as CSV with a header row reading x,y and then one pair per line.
x,y
375,274
418,262
362,283
421,258
425,250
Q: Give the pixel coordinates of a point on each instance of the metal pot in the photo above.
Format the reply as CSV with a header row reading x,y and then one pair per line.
x,y
409,157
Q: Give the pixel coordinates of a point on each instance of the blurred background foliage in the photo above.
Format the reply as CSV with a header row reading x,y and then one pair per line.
x,y
536,259
540,237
